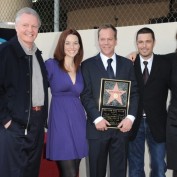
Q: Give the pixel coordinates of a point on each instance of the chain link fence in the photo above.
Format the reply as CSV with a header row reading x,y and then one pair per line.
x,y
57,15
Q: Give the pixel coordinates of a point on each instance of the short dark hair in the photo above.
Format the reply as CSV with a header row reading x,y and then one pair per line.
x,y
106,26
59,53
145,30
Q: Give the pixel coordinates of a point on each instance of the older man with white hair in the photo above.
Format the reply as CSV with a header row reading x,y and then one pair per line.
x,y
23,99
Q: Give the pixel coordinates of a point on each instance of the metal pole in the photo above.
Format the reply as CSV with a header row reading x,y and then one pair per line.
x,y
56,15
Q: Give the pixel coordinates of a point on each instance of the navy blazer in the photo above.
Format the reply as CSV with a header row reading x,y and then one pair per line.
x,y
93,71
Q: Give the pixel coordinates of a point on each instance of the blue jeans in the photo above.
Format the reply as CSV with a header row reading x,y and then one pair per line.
x,y
157,152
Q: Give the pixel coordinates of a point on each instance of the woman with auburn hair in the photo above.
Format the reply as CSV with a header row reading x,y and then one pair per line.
x,y
66,136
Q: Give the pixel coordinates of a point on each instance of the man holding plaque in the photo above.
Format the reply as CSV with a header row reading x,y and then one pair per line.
x,y
110,99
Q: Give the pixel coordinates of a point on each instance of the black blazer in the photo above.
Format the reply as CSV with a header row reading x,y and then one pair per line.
x,y
93,70
172,116
153,97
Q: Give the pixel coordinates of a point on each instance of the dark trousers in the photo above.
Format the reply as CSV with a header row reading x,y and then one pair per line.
x,y
114,143
20,154
174,173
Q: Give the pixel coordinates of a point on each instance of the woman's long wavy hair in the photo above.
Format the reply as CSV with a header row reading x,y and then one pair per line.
x,y
59,53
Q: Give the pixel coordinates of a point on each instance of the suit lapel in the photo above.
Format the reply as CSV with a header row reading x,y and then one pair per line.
x,y
118,63
138,71
119,70
154,69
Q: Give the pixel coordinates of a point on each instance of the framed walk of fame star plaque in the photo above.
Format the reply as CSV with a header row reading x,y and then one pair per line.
x,y
114,100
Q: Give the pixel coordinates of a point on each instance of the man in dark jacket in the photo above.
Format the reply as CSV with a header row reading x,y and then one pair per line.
x,y
153,75
103,140
23,99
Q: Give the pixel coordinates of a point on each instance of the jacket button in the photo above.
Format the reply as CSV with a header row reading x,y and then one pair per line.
x,y
27,92
26,110
27,74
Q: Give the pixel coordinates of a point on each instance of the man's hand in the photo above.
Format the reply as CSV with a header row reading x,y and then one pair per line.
x,y
102,125
8,124
125,125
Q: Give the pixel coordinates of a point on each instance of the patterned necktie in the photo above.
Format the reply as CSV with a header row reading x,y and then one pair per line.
x,y
145,72
109,69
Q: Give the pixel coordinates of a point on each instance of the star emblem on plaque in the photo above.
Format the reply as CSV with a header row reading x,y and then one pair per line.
x,y
114,100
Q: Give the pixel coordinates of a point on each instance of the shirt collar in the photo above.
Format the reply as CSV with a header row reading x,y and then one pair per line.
x,y
104,58
148,60
27,50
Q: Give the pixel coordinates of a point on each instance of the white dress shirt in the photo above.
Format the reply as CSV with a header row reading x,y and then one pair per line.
x,y
113,64
149,66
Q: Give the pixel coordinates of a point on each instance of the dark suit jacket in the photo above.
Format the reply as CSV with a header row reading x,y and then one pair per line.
x,y
153,97
172,116
93,70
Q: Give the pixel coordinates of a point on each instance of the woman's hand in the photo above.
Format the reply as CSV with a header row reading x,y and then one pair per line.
x,y
132,56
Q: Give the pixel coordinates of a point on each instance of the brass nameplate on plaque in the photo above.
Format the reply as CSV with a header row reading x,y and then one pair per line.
x,y
114,100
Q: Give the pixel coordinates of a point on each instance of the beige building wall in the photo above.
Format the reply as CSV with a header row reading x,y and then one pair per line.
x,y
165,34
9,9
128,14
